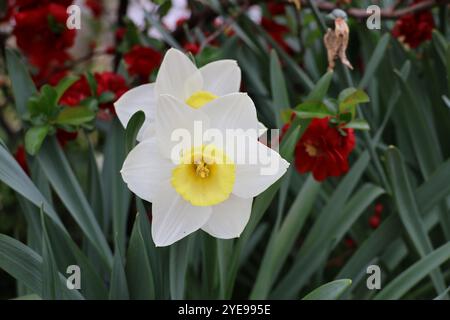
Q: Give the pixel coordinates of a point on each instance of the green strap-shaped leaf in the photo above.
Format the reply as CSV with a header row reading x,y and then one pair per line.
x,y
51,288
117,196
428,195
57,169
283,239
411,276
133,127
119,287
319,240
22,84
13,176
95,188
138,267
280,98
179,257
408,210
26,266
375,60
329,291
320,90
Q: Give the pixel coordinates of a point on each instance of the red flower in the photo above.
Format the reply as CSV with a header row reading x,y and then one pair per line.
x,y
276,8
42,35
414,28
22,5
50,67
192,48
64,136
42,31
96,7
110,82
141,61
324,150
277,32
106,82
21,158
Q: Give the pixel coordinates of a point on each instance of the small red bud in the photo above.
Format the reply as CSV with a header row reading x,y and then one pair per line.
x,y
192,48
374,221
350,243
378,209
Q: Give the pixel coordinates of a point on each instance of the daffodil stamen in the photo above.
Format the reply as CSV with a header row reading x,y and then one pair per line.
x,y
311,150
202,169
205,176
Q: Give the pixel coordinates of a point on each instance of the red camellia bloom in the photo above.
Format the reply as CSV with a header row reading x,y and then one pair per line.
x,y
106,82
42,31
110,82
42,35
141,61
415,28
324,150
80,90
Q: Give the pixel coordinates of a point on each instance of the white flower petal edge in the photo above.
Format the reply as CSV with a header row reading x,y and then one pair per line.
x,y
252,179
144,170
178,76
174,117
139,98
173,218
232,111
262,129
229,218
221,77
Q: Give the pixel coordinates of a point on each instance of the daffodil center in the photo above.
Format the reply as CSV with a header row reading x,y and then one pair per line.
x,y
200,98
202,169
205,176
311,150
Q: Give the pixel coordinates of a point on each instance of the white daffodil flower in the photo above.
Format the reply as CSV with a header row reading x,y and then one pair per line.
x,y
180,78
203,184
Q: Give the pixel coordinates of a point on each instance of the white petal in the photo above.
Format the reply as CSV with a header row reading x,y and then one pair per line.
x,y
262,129
139,98
147,131
173,218
178,76
221,77
233,111
174,126
262,167
229,218
144,170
